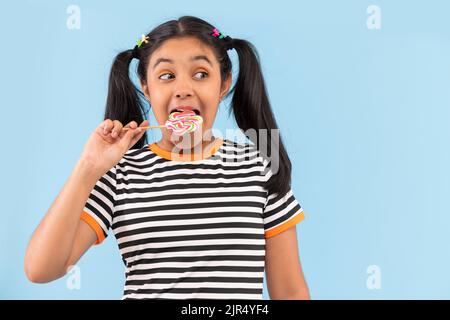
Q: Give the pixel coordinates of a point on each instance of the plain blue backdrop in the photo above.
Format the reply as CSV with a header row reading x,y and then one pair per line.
x,y
364,114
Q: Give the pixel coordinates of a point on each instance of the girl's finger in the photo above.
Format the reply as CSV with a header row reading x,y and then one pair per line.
x,y
126,139
139,132
144,123
137,136
107,125
132,124
117,129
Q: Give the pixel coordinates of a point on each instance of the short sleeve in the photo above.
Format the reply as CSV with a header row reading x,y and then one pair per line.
x,y
281,211
99,208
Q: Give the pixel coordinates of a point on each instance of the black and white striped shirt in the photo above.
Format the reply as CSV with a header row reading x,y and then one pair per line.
x,y
187,228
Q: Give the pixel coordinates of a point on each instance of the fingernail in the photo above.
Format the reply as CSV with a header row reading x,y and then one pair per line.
x,y
113,134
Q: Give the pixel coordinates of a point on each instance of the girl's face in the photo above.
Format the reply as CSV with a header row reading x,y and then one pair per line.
x,y
184,72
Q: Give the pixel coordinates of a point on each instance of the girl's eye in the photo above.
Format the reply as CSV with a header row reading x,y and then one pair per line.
x,y
160,77
164,75
206,74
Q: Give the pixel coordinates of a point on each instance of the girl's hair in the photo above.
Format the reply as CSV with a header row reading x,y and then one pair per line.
x,y
250,103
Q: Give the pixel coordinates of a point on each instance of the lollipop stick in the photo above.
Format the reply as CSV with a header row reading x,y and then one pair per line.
x,y
146,127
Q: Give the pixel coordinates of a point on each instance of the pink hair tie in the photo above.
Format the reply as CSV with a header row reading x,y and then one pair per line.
x,y
227,39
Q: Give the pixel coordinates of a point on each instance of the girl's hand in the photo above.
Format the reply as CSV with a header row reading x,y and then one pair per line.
x,y
108,143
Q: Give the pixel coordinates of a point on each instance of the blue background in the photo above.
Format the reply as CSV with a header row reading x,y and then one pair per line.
x,y
364,115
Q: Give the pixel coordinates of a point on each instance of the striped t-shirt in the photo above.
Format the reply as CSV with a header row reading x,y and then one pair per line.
x,y
188,228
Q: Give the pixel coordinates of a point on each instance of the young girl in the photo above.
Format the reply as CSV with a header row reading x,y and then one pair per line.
x,y
188,224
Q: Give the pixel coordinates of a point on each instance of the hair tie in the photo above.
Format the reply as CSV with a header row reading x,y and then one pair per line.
x,y
135,52
142,40
228,41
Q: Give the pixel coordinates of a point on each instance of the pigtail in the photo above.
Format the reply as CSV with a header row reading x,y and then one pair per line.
x,y
252,110
123,102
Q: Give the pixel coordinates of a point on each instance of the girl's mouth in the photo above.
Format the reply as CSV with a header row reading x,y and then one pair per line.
x,y
180,109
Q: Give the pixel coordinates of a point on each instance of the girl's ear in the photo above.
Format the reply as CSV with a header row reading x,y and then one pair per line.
x,y
144,87
226,86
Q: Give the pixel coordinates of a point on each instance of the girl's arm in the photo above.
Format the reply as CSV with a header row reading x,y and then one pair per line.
x,y
62,238
285,279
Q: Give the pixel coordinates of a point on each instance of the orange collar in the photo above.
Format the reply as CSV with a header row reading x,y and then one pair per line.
x,y
209,151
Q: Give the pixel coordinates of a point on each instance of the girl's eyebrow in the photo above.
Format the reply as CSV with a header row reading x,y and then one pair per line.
x,y
194,58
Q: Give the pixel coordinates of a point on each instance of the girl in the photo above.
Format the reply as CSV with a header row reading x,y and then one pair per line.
x,y
188,224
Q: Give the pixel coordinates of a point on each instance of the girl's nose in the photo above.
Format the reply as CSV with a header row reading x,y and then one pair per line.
x,y
183,95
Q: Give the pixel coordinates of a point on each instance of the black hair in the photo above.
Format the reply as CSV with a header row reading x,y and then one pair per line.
x,y
250,102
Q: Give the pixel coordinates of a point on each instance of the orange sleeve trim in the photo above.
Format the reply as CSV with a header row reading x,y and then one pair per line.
x,y
286,225
94,225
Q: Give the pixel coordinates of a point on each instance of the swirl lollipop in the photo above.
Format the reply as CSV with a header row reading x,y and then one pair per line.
x,y
186,121
183,122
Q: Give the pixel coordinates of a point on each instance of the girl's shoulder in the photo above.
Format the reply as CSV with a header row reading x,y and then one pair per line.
x,y
239,147
136,153
243,150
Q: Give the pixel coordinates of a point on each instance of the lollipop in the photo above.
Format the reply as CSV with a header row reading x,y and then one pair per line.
x,y
186,121
183,122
